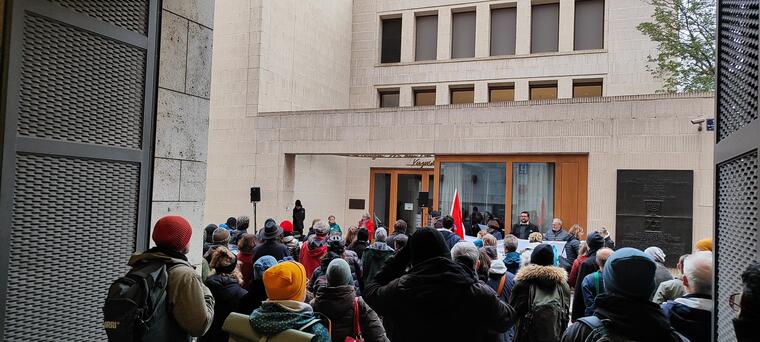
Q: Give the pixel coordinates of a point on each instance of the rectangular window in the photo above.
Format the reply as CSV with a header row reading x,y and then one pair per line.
x,y
463,35
426,38
462,95
391,41
589,24
389,98
424,97
481,185
501,93
503,26
533,191
543,91
587,89
544,28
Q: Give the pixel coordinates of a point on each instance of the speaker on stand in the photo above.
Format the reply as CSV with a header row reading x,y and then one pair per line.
x,y
255,197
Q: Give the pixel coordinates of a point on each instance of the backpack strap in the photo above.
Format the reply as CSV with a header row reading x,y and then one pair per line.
x,y
592,322
309,324
502,281
596,283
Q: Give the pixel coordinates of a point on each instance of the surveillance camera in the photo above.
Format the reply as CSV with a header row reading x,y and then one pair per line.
x,y
697,121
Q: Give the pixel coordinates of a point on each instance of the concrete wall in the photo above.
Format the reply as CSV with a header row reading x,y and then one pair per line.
x,y
629,132
182,120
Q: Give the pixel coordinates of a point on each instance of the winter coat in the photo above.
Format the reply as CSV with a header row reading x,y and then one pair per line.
x,y
547,278
522,231
571,253
391,240
252,300
668,290
245,263
661,274
337,303
374,259
587,267
274,317
592,286
608,243
493,281
356,268
636,320
270,247
191,301
227,293
311,256
299,215
294,248
370,225
415,303
691,316
512,261
573,277
450,238
335,229
358,247
561,235
497,234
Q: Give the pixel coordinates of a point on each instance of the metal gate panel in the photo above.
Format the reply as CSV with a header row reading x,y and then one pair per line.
x,y
78,132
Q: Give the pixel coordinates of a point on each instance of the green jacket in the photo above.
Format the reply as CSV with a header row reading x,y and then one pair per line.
x,y
335,229
374,259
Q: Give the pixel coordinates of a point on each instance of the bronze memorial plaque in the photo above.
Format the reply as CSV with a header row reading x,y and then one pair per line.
x,y
655,208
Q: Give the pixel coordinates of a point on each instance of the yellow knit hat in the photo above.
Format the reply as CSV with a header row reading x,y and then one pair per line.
x,y
285,281
704,245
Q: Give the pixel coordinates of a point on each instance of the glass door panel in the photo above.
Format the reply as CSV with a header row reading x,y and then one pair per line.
x,y
407,203
382,198
480,185
533,191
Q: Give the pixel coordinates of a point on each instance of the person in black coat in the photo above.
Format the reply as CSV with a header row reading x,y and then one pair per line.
x,y
572,247
272,245
524,228
434,291
299,215
595,241
225,286
449,237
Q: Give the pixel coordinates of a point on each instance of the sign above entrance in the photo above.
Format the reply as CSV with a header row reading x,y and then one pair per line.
x,y
417,162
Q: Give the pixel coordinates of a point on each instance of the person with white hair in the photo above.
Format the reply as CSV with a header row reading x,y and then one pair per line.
x,y
662,274
556,233
467,254
691,314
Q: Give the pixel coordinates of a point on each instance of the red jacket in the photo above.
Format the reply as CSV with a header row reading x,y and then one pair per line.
x,y
574,271
245,262
370,225
310,258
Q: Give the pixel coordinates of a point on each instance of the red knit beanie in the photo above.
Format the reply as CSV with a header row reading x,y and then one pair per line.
x,y
172,232
287,226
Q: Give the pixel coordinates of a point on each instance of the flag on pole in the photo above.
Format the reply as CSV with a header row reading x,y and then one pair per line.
x,y
456,214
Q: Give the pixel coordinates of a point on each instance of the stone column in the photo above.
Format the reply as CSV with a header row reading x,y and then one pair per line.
x,y
407,36
482,31
444,34
522,31
566,25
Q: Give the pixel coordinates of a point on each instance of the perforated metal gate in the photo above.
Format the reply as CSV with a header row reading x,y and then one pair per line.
x,y
78,123
736,154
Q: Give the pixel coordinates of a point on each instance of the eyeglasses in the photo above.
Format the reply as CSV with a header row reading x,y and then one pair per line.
x,y
734,301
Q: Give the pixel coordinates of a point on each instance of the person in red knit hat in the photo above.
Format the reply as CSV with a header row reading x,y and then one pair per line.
x,y
189,301
294,247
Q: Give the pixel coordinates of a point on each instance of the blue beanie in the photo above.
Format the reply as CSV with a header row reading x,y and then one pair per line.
x,y
629,272
263,264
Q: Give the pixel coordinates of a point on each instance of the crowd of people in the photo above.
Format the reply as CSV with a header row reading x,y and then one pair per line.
x,y
433,285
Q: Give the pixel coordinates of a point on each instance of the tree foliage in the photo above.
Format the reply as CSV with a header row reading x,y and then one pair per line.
x,y
684,31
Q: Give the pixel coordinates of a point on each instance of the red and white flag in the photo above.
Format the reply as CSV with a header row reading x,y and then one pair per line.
x,y
456,214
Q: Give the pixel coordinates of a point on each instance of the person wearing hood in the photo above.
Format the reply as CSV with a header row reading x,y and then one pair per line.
x,y
502,282
691,315
399,228
341,305
334,227
337,245
511,257
271,245
662,274
376,255
290,241
285,285
435,287
299,215
540,276
625,312
191,302
361,243
595,241
556,232
314,249
447,232
208,237
225,286
747,304
256,291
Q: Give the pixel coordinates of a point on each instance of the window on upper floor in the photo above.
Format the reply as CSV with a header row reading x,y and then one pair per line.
x,y
388,98
463,34
503,28
544,28
587,88
462,94
589,24
390,49
424,97
426,38
543,90
501,93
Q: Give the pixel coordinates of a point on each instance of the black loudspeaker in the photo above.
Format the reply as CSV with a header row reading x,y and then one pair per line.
x,y
423,199
255,194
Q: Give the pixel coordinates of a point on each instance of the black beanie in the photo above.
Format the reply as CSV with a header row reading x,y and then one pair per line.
x,y
427,244
362,234
542,255
594,242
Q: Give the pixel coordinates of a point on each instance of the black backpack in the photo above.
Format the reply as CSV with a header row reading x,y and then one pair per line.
x,y
136,308
601,332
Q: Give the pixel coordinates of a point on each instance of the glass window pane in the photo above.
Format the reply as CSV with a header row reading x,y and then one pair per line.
x,y
382,196
426,38
533,191
389,99
463,35
544,28
424,98
589,24
501,94
462,96
543,92
391,41
587,90
503,28
408,195
479,185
